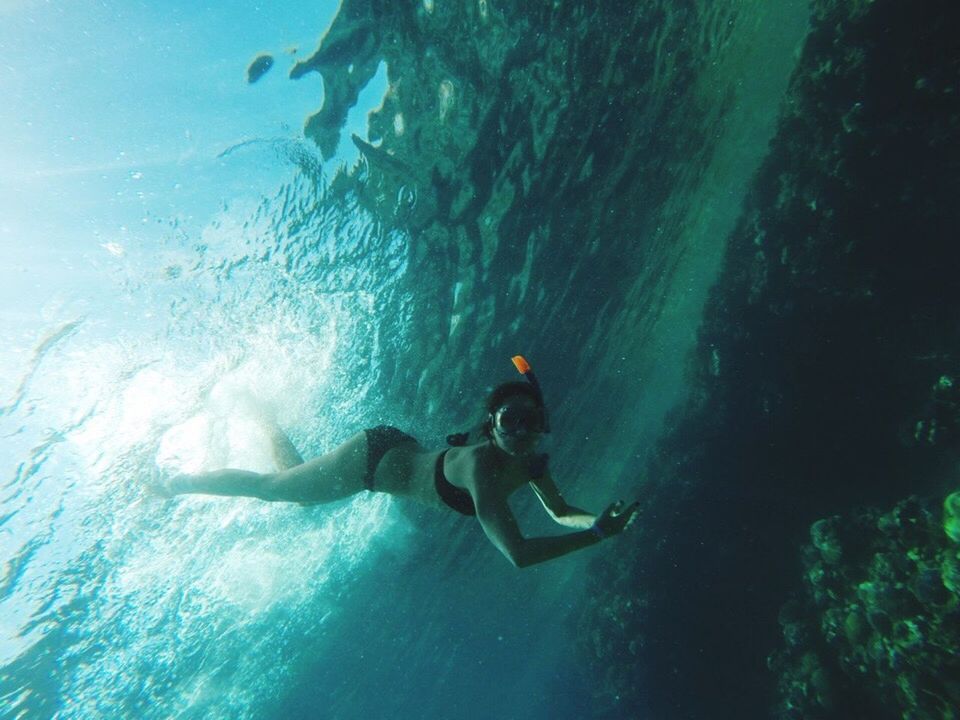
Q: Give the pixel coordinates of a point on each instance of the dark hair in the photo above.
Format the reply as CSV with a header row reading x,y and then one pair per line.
x,y
499,395
507,390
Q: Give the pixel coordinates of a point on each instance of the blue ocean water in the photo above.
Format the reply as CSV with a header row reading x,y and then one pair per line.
x,y
171,272
175,269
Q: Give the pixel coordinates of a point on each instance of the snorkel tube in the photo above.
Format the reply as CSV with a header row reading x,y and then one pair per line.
x,y
538,463
523,367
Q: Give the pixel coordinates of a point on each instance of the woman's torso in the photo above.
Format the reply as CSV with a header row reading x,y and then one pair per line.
x,y
408,470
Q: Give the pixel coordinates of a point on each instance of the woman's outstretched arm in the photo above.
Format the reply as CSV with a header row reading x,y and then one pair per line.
x,y
576,518
500,526
558,509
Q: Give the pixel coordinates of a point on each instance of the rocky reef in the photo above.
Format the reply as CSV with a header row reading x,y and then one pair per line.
x,y
823,381
876,631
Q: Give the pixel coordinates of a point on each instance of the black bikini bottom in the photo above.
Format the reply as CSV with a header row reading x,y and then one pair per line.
x,y
379,440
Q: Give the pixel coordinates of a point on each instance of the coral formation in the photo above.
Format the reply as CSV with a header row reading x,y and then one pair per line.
x,y
878,633
951,516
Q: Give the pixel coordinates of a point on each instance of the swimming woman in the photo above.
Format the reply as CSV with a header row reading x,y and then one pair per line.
x,y
473,478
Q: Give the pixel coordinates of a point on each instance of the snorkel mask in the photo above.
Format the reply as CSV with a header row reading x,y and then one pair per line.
x,y
516,420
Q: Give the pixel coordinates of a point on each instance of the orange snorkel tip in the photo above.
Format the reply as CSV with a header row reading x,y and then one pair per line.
x,y
523,367
520,362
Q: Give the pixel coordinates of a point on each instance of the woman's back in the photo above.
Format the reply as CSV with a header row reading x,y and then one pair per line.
x,y
409,470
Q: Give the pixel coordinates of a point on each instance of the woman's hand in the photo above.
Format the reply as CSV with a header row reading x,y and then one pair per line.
x,y
614,520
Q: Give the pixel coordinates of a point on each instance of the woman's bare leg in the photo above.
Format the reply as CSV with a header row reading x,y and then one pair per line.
x,y
242,483
285,455
229,482
334,476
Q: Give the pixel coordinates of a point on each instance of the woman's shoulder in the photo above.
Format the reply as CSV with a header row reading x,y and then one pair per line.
x,y
483,469
468,464
472,454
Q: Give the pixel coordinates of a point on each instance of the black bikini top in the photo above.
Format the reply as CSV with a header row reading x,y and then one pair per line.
x,y
457,498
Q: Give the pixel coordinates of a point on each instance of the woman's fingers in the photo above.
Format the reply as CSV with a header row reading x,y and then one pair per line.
x,y
616,518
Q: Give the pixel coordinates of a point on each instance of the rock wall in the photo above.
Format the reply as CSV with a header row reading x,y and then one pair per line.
x,y
527,148
817,382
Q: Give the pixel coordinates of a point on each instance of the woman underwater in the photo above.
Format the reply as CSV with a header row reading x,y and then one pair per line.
x,y
472,478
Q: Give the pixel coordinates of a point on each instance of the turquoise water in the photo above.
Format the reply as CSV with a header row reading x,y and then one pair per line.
x,y
176,265
171,269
